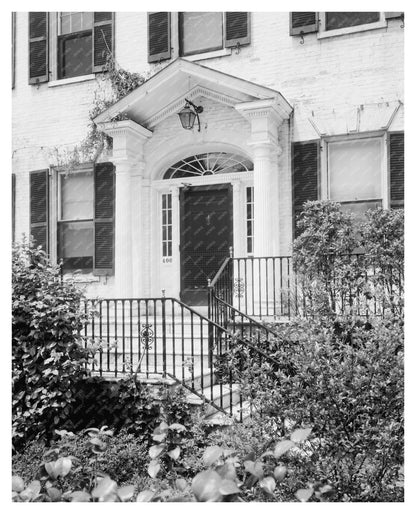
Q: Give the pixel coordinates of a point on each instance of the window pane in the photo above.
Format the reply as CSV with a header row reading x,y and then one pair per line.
x,y
75,21
354,170
65,23
339,20
76,245
360,208
202,31
87,20
77,193
76,56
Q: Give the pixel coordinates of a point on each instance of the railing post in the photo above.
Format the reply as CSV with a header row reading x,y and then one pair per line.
x,y
210,327
163,300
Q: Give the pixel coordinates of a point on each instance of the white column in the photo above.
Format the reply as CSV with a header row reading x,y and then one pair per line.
x,y
265,116
123,239
136,227
266,228
128,157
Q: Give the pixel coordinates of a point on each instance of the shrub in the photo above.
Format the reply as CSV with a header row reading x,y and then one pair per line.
x,y
47,356
348,264
344,379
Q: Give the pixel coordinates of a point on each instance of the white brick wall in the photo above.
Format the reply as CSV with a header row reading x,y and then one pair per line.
x,y
323,78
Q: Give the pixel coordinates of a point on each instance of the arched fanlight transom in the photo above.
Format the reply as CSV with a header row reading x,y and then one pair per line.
x,y
213,163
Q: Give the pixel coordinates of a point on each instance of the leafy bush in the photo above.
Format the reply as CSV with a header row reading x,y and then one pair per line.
x,y
47,356
75,469
348,264
344,379
123,457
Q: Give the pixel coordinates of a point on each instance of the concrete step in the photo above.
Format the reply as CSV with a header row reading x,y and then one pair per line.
x,y
230,395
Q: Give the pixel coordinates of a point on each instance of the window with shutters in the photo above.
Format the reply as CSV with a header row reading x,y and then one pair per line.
x,y
328,24
84,40
208,31
193,33
355,173
76,220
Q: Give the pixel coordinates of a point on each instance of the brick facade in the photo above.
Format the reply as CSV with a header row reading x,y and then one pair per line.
x,y
336,85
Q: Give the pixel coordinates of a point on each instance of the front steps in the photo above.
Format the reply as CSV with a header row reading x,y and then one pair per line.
x,y
171,349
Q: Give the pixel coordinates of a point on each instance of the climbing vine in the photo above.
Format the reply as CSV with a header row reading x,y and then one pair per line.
x,y
113,84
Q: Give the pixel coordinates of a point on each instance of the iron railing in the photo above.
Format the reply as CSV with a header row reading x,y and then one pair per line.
x,y
162,338
270,289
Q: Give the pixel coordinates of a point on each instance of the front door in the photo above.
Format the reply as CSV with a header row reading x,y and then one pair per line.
x,y
206,237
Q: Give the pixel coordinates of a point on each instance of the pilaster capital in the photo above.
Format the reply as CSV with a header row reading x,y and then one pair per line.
x,y
265,117
128,139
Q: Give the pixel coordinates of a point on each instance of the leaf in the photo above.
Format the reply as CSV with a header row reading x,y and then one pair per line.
x,y
17,484
174,454
153,468
181,484
227,471
211,455
282,447
303,495
54,494
228,487
80,496
268,485
300,435
63,466
255,468
206,486
177,426
125,493
145,496
105,488
50,468
159,437
156,450
279,473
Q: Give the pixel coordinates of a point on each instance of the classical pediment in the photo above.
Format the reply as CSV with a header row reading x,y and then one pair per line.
x,y
164,94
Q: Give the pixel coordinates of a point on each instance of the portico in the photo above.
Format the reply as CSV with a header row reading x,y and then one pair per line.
x,y
243,144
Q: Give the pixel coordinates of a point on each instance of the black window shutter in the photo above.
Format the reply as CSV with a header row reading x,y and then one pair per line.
x,y
305,173
158,36
38,47
303,23
103,39
39,208
104,187
396,165
237,28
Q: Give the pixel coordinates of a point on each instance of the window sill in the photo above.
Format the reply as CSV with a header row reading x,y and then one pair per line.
x,y
72,80
208,55
352,30
79,278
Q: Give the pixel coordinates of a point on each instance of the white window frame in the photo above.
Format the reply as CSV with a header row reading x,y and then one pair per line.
x,y
323,33
54,32
166,259
175,36
57,208
247,219
378,135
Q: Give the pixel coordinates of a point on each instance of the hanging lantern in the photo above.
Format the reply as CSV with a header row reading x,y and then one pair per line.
x,y
188,115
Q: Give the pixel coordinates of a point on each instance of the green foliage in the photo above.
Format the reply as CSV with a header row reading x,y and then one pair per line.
x,y
344,379
119,404
47,354
347,264
112,85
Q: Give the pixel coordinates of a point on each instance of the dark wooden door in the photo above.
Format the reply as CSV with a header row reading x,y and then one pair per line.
x,y
206,237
